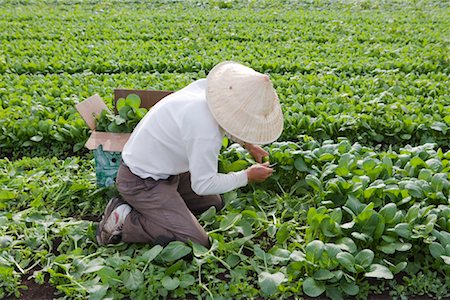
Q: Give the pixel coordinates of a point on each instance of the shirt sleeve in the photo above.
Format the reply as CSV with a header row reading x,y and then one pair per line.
x,y
203,165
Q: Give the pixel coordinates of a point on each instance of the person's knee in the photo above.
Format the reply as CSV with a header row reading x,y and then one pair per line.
x,y
163,240
219,203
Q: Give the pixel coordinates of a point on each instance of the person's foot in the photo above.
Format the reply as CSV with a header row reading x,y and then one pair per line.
x,y
109,230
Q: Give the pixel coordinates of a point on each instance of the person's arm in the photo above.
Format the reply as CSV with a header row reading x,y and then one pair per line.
x,y
203,166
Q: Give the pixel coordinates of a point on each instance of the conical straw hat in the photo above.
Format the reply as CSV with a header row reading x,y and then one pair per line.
x,y
244,103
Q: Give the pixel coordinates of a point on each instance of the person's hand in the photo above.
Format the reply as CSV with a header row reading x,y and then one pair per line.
x,y
258,173
256,152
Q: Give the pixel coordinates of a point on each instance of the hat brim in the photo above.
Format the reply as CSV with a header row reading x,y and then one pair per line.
x,y
234,97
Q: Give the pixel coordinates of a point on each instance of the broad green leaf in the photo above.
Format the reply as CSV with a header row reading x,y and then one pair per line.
x,y
37,138
314,250
403,230
414,190
379,271
149,255
417,161
334,293
109,276
313,288
400,267
364,258
388,248
403,246
314,182
283,233
229,220
174,267
297,256
323,274
439,126
94,265
186,280
387,164
97,291
133,100
388,212
170,283
300,165
434,164
208,214
174,251
269,282
369,164
347,261
326,157
350,288
446,259
236,166
199,250
7,195
346,244
436,249
232,260
133,279
277,256
120,103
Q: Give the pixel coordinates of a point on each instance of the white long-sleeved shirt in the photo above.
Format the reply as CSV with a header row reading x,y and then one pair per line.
x,y
177,135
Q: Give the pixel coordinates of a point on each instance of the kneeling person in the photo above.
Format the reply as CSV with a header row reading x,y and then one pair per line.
x,y
169,171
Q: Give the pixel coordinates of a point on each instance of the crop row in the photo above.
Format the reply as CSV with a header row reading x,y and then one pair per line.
x,y
377,78
343,215
37,113
105,56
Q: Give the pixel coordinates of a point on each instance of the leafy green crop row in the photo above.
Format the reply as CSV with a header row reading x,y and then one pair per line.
x,y
343,214
38,115
380,108
377,76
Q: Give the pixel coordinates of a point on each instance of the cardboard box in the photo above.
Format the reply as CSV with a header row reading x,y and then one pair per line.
x,y
107,146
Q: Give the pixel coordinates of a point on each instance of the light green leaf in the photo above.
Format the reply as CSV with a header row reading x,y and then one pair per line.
x,y
347,261
269,282
403,230
120,103
388,212
174,251
186,280
350,288
170,283
379,271
314,182
132,280
300,165
436,249
323,274
446,259
312,287
346,244
37,138
7,195
364,258
133,100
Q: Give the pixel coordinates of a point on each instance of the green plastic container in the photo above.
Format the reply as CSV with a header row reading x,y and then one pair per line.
x,y
106,166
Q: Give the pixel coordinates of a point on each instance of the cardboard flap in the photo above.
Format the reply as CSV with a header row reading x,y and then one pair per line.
x,y
113,142
90,108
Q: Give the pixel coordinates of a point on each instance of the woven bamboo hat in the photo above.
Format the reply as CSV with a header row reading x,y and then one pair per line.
x,y
244,103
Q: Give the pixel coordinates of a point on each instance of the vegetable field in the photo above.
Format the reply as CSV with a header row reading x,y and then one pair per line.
x,y
358,206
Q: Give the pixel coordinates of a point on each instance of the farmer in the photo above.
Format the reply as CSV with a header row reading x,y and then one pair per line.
x,y
169,168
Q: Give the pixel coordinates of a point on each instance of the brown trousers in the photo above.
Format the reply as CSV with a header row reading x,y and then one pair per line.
x,y
163,210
